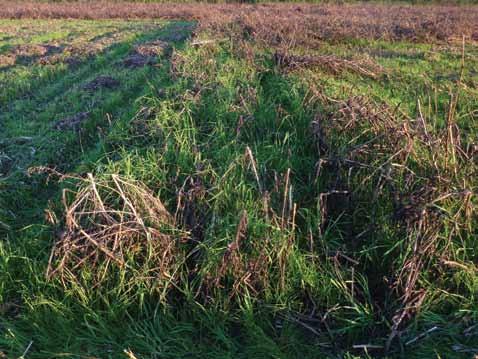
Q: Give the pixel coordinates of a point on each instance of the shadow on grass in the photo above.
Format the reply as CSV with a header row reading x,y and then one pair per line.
x,y
34,141
40,309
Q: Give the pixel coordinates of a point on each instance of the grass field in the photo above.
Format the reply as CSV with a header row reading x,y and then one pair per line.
x,y
222,181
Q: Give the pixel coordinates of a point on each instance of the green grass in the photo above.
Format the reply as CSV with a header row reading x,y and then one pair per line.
x,y
306,280
32,114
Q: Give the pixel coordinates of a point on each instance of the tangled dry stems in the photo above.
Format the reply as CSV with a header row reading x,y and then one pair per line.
x,y
420,172
116,224
329,63
372,154
284,24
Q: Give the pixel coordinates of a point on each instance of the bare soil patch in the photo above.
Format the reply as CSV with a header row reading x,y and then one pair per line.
x,y
73,54
28,53
31,52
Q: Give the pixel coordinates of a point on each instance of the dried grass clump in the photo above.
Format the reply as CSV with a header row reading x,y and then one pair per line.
x,y
428,177
329,63
7,60
100,82
152,49
240,272
279,24
116,225
73,122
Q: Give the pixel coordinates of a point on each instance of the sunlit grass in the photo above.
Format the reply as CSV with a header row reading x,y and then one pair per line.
x,y
303,199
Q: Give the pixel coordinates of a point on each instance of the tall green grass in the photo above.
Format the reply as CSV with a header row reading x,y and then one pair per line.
x,y
290,251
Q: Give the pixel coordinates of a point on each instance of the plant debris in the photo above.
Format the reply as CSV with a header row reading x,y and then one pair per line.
x,y
330,63
138,60
6,164
72,122
115,224
101,82
306,24
152,49
146,54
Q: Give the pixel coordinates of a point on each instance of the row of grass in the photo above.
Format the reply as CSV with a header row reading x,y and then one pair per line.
x,y
217,137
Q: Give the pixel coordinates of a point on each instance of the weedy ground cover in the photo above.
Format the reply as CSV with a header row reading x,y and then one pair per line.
x,y
222,187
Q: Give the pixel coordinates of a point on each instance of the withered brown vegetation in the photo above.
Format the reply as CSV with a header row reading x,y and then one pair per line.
x,y
109,220
396,141
276,23
330,63
328,203
101,82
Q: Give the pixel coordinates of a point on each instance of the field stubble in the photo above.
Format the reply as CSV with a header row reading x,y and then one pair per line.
x,y
329,193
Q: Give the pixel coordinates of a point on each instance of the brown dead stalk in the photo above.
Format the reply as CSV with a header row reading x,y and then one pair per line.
x,y
113,224
329,63
433,202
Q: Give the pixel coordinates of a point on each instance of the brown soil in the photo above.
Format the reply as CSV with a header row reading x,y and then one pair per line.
x,y
73,54
35,50
27,53
147,54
